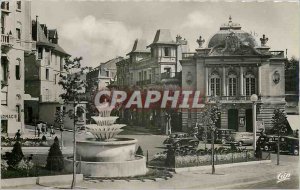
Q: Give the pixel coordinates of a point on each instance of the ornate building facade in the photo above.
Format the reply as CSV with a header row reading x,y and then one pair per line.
x,y
229,70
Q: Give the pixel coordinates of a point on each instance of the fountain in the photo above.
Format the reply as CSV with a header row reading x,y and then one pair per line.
x,y
106,155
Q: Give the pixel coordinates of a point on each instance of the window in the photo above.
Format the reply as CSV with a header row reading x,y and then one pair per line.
x,y
250,84
18,77
167,51
47,74
3,126
4,69
40,53
54,78
215,85
2,25
18,109
232,83
18,32
47,94
5,5
19,5
107,73
145,75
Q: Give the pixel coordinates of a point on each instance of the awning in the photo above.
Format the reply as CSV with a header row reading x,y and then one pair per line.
x,y
6,113
294,121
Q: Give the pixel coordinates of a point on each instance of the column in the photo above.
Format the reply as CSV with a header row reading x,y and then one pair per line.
x,y
241,81
224,82
258,81
206,81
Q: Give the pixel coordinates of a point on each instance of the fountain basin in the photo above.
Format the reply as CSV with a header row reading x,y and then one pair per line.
x,y
114,150
134,167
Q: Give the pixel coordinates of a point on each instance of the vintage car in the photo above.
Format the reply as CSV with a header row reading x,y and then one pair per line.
x,y
288,145
267,142
179,139
242,138
221,136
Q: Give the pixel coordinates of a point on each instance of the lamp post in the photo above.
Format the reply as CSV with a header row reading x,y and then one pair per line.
x,y
254,99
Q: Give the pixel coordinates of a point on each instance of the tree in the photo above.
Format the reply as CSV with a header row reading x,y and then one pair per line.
x,y
279,127
72,84
55,160
59,119
139,151
15,156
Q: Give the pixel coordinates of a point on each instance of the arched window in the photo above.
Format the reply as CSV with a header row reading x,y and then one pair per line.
x,y
232,84
215,84
18,69
250,84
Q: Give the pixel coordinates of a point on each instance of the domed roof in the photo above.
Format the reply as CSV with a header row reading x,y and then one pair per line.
x,y
226,29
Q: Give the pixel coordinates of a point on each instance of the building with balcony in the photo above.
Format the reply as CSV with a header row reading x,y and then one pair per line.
x,y
155,67
42,74
229,70
16,44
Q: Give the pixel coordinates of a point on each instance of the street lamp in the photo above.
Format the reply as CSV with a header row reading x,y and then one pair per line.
x,y
254,99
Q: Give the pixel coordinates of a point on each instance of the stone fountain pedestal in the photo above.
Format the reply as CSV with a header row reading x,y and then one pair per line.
x,y
105,155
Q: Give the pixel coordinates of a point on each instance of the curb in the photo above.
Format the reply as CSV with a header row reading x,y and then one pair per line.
x,y
15,182
197,168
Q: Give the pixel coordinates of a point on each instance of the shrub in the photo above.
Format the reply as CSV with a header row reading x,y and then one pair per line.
x,y
15,156
139,151
55,160
4,165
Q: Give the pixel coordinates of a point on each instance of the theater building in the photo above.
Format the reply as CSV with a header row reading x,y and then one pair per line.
x,y
231,68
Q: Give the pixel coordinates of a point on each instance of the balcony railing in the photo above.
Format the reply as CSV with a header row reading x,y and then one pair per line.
x,y
6,39
229,98
277,54
187,55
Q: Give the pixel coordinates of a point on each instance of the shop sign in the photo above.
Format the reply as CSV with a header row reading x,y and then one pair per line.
x,y
9,116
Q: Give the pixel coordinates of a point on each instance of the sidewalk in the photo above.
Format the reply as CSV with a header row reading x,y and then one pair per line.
x,y
224,177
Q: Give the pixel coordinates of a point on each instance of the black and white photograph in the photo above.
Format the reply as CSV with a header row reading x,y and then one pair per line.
x,y
128,94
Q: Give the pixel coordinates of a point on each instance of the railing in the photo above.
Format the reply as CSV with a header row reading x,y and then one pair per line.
x,y
277,54
6,39
187,55
229,98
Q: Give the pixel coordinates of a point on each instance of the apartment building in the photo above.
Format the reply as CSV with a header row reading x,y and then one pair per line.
x,y
42,75
16,44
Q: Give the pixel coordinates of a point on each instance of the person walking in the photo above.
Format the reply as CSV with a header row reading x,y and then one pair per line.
x,y
51,131
39,129
18,135
44,128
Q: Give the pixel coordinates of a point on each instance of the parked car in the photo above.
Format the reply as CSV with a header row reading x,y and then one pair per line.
x,y
289,145
268,142
221,136
242,138
181,140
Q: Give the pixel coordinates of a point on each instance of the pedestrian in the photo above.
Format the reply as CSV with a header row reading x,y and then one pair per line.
x,y
44,128
18,135
51,131
39,128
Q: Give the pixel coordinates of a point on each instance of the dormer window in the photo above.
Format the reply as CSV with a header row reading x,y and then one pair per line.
x,y
167,51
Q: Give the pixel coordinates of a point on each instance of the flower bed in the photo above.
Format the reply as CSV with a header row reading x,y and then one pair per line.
x,y
195,160
180,159
26,142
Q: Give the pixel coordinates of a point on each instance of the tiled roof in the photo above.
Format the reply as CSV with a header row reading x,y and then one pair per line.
x,y
163,36
43,41
139,46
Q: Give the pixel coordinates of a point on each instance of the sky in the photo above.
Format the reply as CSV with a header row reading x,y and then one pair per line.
x,y
99,31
